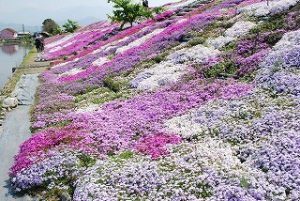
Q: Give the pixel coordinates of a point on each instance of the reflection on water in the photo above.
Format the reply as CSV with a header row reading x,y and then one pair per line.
x,y
10,56
10,49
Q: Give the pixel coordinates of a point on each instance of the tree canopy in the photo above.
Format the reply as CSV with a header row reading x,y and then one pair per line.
x,y
50,26
70,26
125,11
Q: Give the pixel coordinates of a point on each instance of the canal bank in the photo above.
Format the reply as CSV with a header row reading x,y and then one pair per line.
x,y
28,66
15,122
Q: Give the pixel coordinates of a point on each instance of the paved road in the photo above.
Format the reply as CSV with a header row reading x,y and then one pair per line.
x,y
16,129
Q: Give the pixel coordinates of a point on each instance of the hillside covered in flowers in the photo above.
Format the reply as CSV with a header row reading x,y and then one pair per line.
x,y
200,103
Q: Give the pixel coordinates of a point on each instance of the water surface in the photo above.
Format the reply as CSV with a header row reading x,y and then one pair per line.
x,y
10,56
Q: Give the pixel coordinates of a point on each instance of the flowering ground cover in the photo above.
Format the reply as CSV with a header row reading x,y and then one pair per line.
x,y
200,103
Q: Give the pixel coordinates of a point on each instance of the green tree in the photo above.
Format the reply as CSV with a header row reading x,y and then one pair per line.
x,y
50,26
57,30
158,10
71,26
125,11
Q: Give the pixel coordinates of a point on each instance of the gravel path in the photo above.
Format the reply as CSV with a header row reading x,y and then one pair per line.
x,y
15,131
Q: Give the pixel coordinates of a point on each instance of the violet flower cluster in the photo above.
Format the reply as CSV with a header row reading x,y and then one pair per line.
x,y
280,70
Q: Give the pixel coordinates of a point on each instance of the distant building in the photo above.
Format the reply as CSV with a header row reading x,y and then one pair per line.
x,y
24,34
8,33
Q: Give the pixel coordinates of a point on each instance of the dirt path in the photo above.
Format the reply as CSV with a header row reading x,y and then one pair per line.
x,y
15,131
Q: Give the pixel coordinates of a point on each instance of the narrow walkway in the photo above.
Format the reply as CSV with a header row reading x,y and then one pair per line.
x,y
16,129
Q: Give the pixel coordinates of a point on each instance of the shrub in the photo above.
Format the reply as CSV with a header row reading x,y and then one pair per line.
x,y
273,23
196,41
113,85
223,69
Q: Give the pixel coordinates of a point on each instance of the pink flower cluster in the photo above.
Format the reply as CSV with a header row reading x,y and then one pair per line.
x,y
155,145
77,42
150,48
122,125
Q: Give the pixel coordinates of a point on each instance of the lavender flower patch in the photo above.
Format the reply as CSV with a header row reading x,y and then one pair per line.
x,y
245,120
281,68
279,160
54,167
206,170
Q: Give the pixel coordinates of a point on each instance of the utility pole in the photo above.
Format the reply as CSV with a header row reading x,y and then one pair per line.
x,y
23,28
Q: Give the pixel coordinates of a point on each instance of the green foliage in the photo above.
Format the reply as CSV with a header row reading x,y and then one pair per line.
x,y
273,23
57,30
204,190
196,41
244,183
111,56
273,38
105,98
86,160
125,11
50,26
112,84
70,26
126,155
158,59
229,47
104,94
62,124
223,69
249,77
120,158
63,190
158,10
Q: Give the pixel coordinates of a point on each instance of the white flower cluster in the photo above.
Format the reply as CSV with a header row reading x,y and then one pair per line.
x,y
266,8
288,40
139,41
219,42
197,54
239,29
73,71
89,108
60,41
65,63
173,68
61,44
160,75
100,61
179,4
